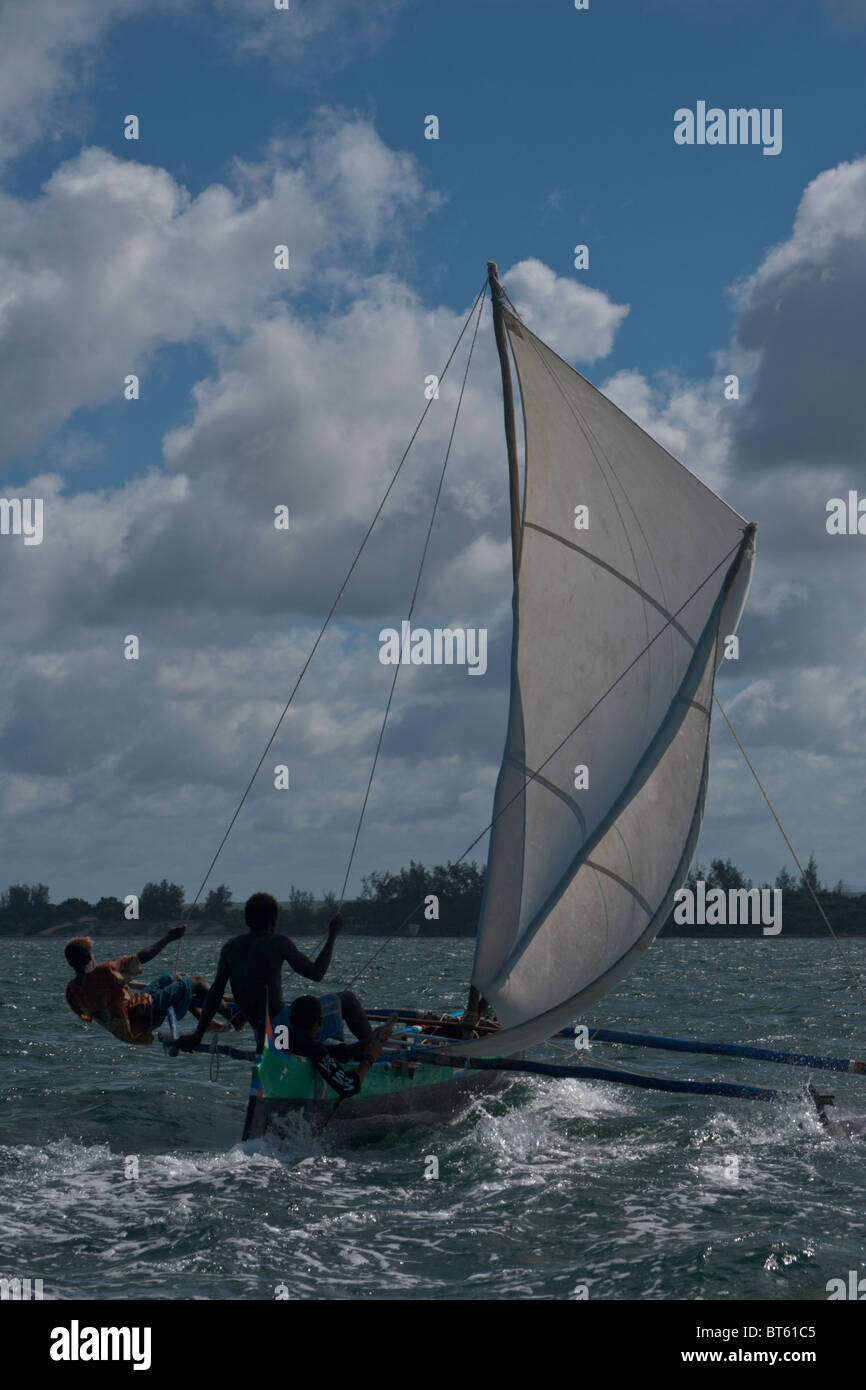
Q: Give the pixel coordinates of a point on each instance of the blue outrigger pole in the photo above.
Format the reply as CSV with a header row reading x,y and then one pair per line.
x,y
817,1061
761,1054
814,1061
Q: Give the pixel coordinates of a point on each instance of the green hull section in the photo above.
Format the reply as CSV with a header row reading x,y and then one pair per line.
x,y
283,1084
283,1076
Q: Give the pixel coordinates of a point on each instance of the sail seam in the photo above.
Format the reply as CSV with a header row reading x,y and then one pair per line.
x,y
603,564
626,847
623,883
545,782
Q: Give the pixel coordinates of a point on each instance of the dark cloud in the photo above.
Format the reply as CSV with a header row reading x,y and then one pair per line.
x,y
801,328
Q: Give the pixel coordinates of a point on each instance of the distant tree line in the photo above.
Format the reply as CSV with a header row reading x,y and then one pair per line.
x,y
443,901
846,910
452,892
723,874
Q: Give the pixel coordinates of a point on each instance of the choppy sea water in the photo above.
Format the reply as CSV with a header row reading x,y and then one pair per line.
x,y
542,1188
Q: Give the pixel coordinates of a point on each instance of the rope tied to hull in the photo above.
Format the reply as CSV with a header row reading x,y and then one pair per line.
x,y
479,299
215,1055
413,601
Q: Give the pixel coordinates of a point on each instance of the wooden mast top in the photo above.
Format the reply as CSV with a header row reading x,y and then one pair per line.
x,y
498,300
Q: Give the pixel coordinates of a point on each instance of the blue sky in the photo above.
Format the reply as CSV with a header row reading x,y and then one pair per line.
x,y
556,128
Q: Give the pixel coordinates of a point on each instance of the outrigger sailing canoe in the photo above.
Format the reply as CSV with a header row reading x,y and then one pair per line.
x,y
628,574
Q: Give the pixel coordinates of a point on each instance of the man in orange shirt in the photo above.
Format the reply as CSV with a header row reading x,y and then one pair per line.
x,y
102,993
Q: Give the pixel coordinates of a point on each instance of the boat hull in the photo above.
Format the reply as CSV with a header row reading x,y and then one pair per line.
x,y
284,1085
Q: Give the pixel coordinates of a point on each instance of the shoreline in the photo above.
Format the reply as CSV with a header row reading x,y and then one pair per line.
x,y
151,931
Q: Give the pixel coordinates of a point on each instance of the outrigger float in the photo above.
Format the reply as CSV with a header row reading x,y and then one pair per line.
x,y
628,577
409,1078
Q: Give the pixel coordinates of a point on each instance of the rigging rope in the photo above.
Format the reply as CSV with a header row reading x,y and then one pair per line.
x,y
854,975
478,298
413,600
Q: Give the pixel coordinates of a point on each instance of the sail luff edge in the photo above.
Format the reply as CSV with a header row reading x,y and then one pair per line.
x,y
496,297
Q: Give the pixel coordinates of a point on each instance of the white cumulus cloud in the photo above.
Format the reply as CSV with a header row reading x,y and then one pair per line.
x,y
578,322
115,259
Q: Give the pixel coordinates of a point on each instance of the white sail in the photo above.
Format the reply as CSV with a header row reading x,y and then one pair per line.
x,y
617,635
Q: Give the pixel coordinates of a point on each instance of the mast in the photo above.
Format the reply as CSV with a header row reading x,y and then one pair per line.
x,y
476,1004
497,300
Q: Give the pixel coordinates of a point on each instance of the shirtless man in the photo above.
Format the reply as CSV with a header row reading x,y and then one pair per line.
x,y
254,963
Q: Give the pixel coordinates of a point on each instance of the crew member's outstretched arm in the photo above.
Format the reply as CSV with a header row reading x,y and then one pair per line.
x,y
148,952
313,969
212,1001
